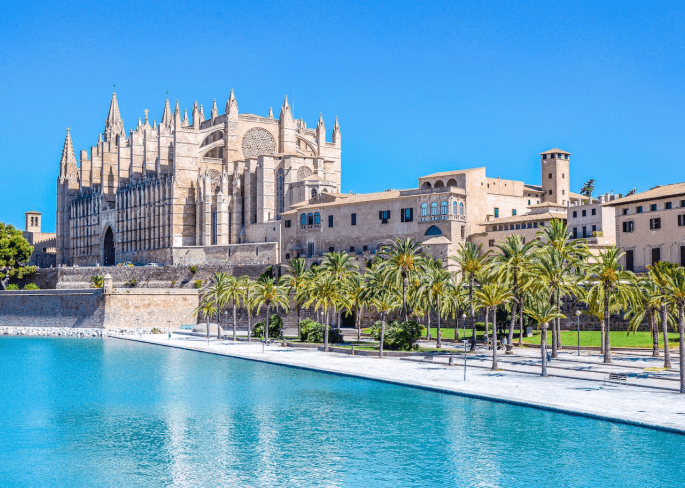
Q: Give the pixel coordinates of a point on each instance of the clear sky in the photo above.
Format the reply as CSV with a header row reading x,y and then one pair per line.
x,y
418,87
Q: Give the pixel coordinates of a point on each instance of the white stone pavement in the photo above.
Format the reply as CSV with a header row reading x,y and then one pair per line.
x,y
578,390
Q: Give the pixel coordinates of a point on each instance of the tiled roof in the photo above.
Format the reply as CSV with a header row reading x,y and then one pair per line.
x,y
555,150
672,190
450,173
547,204
344,199
437,240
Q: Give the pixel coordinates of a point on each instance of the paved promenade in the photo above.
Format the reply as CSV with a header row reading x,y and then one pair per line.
x,y
575,385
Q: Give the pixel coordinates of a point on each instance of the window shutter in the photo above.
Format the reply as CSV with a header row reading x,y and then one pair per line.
x,y
388,214
411,214
402,215
380,214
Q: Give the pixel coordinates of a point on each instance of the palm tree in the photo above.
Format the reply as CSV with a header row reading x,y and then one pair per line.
x,y
616,284
355,289
323,293
233,293
207,308
676,296
436,283
553,273
340,265
296,279
248,288
646,302
401,259
217,289
659,273
385,301
513,260
543,312
471,263
269,292
489,297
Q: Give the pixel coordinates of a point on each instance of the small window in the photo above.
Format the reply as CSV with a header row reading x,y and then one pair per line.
x,y
575,214
563,175
528,202
669,205
628,226
461,208
365,248
538,202
331,249
563,192
491,243
287,255
652,207
625,211
594,211
681,220
424,210
682,203
454,208
330,221
535,225
286,223
444,208
303,219
518,226
513,212
353,219
639,209
584,213
544,156
575,232
550,176
310,219
384,215
351,248
496,212
434,209
655,224
594,229
317,218
584,231
407,214
550,192
463,231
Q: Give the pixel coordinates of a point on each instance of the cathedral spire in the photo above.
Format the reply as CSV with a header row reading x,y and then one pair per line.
x,y
271,112
196,116
114,125
231,105
285,109
215,112
202,113
186,122
67,164
321,131
167,120
336,132
177,114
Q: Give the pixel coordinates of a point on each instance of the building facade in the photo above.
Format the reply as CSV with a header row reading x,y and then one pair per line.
x,y
189,190
43,243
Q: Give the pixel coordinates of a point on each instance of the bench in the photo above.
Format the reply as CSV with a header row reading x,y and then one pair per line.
x,y
616,379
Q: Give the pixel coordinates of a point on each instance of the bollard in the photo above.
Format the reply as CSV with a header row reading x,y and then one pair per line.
x,y
451,360
352,353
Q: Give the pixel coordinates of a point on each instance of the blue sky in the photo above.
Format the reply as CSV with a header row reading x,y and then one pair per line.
x,y
418,87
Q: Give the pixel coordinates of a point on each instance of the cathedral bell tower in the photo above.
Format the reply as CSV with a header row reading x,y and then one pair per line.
x,y
554,166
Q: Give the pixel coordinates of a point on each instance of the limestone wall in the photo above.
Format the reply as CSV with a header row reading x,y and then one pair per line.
x,y
94,309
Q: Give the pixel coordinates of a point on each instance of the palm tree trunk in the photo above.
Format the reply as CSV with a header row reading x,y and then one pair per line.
x,y
510,336
218,324
487,325
380,349
247,310
405,279
494,342
554,329
681,345
207,317
266,325
298,320
521,325
664,329
428,329
456,327
438,343
325,332
607,335
235,322
655,333
543,349
602,332
472,316
358,322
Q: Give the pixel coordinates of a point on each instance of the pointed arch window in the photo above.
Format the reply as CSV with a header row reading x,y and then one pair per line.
x,y
303,219
280,193
310,219
443,208
434,209
461,208
317,218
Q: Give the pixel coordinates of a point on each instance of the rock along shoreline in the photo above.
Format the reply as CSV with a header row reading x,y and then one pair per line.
x,y
71,332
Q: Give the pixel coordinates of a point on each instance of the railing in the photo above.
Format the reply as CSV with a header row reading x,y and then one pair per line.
x,y
435,218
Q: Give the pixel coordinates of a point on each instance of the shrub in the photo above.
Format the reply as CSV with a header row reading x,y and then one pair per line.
x,y
173,282
31,286
198,284
12,287
311,331
132,283
275,327
193,269
97,281
156,331
399,336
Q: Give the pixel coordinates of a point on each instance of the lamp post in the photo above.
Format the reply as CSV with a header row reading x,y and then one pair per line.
x,y
225,318
168,323
578,324
465,342
463,323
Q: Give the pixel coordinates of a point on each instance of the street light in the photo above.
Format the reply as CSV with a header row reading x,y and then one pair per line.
x,y
465,342
168,323
578,323
225,318
463,320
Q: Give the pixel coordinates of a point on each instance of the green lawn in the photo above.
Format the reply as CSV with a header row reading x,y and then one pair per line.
x,y
592,338
448,333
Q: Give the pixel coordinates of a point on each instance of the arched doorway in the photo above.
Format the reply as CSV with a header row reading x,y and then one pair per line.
x,y
108,257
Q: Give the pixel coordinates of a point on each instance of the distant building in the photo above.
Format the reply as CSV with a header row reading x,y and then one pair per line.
x,y
594,221
43,242
650,226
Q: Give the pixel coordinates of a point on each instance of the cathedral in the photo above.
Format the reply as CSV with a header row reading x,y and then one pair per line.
x,y
190,190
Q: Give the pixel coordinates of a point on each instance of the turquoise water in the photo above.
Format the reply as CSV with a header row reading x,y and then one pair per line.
x,y
90,412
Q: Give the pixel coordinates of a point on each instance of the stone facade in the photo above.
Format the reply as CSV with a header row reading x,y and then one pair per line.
x,y
218,181
43,243
118,308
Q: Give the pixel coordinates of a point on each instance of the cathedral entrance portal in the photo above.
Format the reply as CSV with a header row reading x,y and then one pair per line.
x,y
109,248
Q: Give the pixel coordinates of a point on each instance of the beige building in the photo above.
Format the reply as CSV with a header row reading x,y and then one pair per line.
x,y
593,220
445,210
650,226
43,243
190,190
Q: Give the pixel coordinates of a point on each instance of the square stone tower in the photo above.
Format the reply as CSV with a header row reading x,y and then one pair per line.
x,y
554,165
32,221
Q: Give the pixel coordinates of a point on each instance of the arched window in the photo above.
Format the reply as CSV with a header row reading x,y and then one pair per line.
x,y
454,208
313,192
443,208
280,196
461,208
434,208
433,231
424,210
310,219
317,218
303,219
